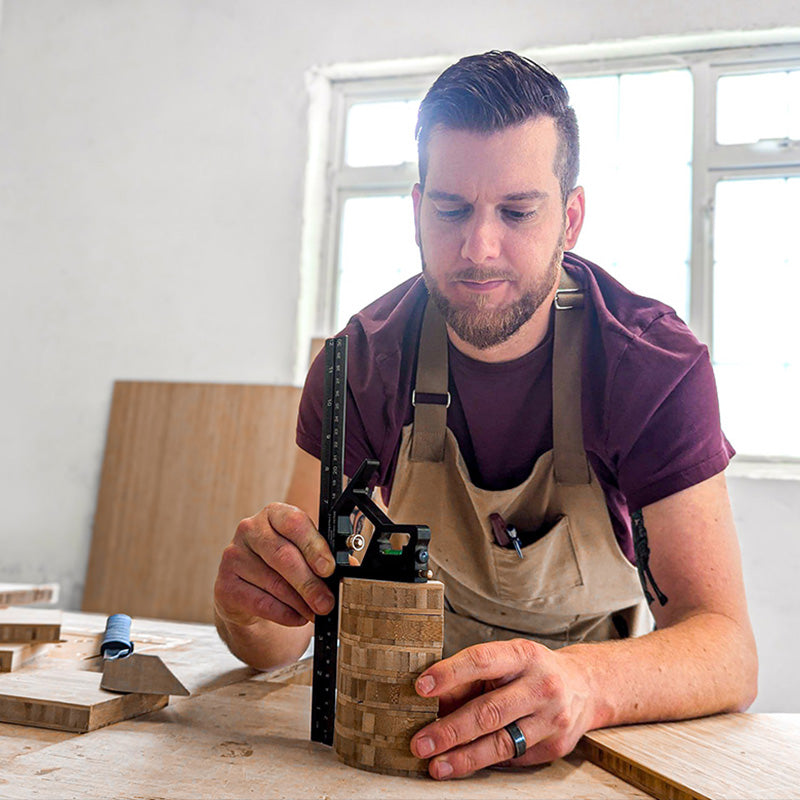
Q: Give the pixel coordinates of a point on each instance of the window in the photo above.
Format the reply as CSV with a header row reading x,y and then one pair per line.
x,y
691,165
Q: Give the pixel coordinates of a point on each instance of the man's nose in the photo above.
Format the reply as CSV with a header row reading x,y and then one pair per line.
x,y
482,239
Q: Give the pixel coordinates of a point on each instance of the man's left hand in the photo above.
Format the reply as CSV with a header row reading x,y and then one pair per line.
x,y
484,688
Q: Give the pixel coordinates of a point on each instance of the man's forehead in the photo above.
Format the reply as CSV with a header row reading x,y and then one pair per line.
x,y
518,159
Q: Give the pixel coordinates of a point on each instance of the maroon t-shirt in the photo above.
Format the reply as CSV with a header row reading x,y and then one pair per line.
x,y
651,422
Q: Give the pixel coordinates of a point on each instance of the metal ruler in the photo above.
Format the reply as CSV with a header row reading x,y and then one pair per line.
x,y
326,628
381,561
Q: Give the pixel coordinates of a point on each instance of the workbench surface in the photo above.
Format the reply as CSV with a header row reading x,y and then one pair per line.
x,y
241,734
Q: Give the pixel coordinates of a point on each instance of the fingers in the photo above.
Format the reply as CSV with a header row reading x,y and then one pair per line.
x,y
481,715
543,746
247,584
494,748
274,570
521,682
492,661
285,539
450,701
295,526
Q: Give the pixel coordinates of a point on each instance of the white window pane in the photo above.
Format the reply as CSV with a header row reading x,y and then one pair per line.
x,y
381,133
638,206
377,252
756,340
656,118
794,106
754,107
596,104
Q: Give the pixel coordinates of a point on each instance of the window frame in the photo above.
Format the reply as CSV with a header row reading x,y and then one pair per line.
x,y
707,58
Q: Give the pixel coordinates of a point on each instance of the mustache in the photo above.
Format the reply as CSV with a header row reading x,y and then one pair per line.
x,y
482,274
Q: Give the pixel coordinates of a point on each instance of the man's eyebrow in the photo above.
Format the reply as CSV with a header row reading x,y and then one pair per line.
x,y
533,194
437,195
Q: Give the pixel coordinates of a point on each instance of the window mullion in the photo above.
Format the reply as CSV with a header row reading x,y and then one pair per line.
x,y
701,266
399,177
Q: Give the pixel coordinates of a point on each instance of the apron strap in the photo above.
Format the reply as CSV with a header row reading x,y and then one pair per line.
x,y
430,397
569,456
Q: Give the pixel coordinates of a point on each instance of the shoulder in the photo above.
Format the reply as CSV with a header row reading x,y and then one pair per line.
x,y
628,330
391,320
381,345
650,397
621,313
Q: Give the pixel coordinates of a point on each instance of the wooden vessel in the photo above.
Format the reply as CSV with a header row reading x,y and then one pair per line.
x,y
388,634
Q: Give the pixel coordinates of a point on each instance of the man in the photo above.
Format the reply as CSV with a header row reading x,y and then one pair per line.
x,y
570,405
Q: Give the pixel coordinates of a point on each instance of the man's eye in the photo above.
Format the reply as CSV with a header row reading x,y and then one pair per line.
x,y
518,216
451,213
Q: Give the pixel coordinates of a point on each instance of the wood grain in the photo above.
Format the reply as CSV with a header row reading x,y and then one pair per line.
x,y
68,700
251,739
22,593
184,462
389,633
27,625
724,757
13,656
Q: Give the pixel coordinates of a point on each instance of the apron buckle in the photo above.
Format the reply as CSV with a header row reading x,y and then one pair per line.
x,y
431,398
576,302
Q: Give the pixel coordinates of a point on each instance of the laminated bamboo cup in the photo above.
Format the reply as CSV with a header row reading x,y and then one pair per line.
x,y
388,634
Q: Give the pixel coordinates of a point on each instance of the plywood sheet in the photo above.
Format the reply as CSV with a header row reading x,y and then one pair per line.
x,y
21,624
725,757
68,700
184,462
13,656
22,593
251,739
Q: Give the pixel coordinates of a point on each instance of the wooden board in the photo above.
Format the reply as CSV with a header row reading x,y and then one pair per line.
x,y
20,625
13,656
68,700
251,739
22,593
725,757
184,462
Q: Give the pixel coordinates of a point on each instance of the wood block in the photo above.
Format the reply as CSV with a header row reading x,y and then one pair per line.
x,y
389,632
21,625
184,462
13,656
721,757
22,593
68,700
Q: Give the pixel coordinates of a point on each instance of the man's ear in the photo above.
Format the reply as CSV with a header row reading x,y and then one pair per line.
x,y
573,217
416,196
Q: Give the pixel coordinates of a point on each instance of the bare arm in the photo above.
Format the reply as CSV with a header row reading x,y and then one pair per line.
x,y
269,584
700,660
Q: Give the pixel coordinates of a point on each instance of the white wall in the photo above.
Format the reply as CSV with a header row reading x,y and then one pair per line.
x,y
152,155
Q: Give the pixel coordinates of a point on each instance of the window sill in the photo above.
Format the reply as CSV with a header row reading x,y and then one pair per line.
x,y
764,468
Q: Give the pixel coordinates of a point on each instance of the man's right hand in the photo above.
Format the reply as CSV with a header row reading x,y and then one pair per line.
x,y
273,570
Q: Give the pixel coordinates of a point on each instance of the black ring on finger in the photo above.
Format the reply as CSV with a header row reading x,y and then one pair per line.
x,y
517,738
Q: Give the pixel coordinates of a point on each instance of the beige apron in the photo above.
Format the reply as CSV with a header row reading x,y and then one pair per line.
x,y
574,583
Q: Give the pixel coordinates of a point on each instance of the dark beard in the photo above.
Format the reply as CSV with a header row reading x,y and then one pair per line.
x,y
484,328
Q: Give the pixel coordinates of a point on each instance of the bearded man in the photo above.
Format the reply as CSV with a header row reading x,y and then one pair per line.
x,y
514,383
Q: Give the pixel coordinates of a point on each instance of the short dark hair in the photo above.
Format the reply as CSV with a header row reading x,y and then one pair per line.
x,y
496,90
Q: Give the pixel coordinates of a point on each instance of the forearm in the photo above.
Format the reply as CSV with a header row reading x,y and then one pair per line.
x,y
704,664
264,644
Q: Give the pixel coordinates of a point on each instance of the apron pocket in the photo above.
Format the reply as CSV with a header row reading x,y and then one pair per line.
x,y
546,573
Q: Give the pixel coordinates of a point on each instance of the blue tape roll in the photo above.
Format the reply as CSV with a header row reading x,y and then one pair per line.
x,y
117,636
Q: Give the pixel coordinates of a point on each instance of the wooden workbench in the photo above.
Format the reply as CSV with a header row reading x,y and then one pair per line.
x,y
240,734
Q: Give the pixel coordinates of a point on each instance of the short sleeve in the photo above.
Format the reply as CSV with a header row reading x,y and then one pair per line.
x,y
664,430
